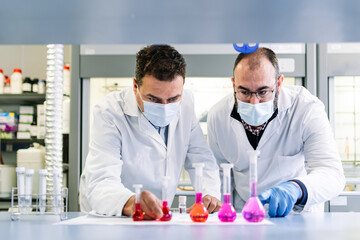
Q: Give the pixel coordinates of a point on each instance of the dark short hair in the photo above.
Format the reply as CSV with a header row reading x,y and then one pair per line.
x,y
256,56
160,61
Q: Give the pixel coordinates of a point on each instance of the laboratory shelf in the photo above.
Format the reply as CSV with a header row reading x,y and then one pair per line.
x,y
12,145
24,98
22,141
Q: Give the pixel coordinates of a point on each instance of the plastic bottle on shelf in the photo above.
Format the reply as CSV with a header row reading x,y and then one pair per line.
x,y
2,81
41,86
35,85
66,80
26,86
7,88
16,81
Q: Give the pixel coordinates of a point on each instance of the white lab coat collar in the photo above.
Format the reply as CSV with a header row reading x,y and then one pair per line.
x,y
130,105
285,99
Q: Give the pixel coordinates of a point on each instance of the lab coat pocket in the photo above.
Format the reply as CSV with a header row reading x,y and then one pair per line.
x,y
291,166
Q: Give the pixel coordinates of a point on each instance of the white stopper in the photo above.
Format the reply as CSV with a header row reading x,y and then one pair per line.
x,y
137,188
29,172
226,168
43,172
165,181
253,155
20,170
198,168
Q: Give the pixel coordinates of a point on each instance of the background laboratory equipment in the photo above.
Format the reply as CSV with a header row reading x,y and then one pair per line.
x,y
57,190
227,212
167,214
42,190
198,213
137,215
28,189
253,210
20,171
182,204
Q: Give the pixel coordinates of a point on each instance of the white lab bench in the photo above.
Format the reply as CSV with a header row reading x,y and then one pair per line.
x,y
329,226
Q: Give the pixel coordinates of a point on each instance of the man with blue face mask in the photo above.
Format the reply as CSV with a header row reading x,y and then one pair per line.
x,y
145,133
299,167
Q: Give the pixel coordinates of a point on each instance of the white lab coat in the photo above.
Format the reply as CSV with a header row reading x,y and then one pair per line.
x,y
297,144
125,149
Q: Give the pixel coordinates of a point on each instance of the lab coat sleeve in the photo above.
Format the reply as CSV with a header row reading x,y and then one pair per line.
x,y
325,177
105,192
199,151
214,146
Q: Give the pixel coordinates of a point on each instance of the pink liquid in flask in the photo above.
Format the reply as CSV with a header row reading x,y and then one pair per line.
x,y
227,212
253,210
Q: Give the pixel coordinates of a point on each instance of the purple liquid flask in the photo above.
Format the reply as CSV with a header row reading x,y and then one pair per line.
x,y
167,214
253,210
198,213
227,212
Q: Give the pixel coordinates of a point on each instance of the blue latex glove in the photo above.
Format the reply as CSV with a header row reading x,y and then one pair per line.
x,y
281,198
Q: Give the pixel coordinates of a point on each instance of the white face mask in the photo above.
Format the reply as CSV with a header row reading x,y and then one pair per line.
x,y
255,114
159,114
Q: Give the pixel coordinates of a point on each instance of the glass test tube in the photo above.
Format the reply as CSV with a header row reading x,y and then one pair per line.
x,y
28,189
167,214
227,212
57,191
137,215
199,213
20,171
42,190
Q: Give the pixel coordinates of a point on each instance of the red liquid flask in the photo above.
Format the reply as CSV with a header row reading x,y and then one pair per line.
x,y
167,214
137,215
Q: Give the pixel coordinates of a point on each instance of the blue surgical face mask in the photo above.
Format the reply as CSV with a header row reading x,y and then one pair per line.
x,y
255,114
159,114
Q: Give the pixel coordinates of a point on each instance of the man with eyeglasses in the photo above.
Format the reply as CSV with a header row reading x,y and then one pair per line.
x,y
299,167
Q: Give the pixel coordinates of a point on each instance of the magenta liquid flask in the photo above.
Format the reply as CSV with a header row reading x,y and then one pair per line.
x,y
253,210
137,215
198,213
167,214
227,212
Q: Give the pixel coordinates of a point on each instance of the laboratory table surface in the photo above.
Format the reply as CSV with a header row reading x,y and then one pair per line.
x,y
299,226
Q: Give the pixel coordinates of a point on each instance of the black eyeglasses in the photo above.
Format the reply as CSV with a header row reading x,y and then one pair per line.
x,y
261,94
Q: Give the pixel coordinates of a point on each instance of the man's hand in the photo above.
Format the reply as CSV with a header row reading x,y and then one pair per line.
x,y
211,203
281,198
150,205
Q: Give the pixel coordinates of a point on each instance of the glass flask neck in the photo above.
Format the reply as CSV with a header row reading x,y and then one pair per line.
x,y
198,197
